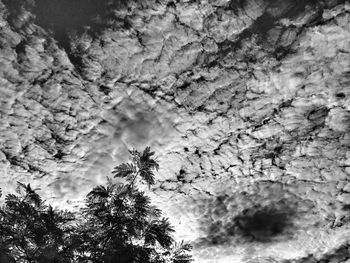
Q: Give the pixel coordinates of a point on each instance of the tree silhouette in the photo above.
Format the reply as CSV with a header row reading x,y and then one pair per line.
x,y
32,231
117,224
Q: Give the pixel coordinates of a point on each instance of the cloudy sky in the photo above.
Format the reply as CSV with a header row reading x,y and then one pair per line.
x,y
245,102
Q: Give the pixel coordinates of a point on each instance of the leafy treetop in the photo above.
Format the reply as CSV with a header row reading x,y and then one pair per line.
x,y
117,224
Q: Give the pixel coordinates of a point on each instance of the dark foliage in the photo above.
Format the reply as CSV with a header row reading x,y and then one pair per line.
x,y
31,231
117,224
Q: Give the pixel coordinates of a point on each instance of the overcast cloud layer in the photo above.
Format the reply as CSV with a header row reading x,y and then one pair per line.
x,y
246,103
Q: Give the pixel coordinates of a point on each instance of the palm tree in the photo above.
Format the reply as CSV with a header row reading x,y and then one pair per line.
x,y
124,224
118,224
32,231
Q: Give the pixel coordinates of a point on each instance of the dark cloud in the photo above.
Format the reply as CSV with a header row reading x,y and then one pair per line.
x,y
265,223
252,217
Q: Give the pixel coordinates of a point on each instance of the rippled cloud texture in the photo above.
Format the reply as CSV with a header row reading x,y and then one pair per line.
x,y
246,104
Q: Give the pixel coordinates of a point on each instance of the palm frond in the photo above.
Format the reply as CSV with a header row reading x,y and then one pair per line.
x,y
180,253
183,246
98,191
160,231
21,186
154,212
182,258
147,161
147,175
11,200
27,188
142,205
123,170
166,226
29,194
36,199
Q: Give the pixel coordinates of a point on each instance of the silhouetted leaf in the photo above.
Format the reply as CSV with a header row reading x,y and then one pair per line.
x,y
180,253
29,194
147,175
146,160
124,170
159,231
99,191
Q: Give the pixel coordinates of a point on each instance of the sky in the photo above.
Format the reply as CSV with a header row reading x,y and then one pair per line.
x,y
246,104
